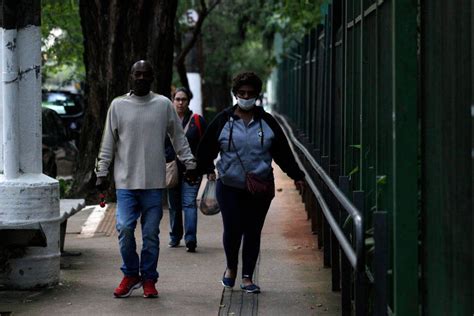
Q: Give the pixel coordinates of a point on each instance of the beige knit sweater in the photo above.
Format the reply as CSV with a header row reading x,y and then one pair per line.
x,y
134,139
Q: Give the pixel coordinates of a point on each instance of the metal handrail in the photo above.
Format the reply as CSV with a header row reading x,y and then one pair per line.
x,y
354,257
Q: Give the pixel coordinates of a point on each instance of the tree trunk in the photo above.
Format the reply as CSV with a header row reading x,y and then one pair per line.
x,y
117,34
217,96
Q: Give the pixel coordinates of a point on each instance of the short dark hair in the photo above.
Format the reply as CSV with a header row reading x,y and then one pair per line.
x,y
246,78
142,62
185,90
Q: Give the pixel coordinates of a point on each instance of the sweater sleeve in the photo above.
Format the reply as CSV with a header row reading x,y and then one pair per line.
x,y
209,146
281,151
210,168
108,144
178,139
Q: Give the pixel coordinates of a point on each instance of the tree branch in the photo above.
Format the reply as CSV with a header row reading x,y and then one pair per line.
x,y
203,13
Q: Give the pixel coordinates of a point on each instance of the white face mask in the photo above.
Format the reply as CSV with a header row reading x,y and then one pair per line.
x,y
245,104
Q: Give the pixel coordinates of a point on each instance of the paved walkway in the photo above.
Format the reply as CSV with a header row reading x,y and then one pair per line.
x,y
290,272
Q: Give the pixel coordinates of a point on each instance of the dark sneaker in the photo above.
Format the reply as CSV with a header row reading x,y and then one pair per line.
x,y
252,288
149,289
227,282
126,287
191,246
173,244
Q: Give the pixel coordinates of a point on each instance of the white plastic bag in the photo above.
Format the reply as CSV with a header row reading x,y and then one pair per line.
x,y
209,205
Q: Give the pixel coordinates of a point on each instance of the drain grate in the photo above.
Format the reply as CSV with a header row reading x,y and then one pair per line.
x,y
237,302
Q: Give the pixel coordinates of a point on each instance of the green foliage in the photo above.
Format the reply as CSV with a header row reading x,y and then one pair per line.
x,y
354,171
382,179
64,187
62,40
239,34
220,37
251,55
293,18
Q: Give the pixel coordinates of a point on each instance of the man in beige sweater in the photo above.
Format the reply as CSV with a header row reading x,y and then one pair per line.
x,y
133,139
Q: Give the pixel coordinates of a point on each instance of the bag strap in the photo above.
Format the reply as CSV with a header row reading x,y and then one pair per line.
x,y
231,128
187,126
261,134
238,156
197,122
195,117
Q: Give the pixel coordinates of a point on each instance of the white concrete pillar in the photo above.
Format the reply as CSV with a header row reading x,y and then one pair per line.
x,y
11,163
194,79
26,195
29,100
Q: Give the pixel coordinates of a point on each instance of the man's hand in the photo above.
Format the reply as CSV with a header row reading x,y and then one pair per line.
x,y
102,184
192,176
211,176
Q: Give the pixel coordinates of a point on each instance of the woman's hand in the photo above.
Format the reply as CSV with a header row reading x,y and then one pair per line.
x,y
211,176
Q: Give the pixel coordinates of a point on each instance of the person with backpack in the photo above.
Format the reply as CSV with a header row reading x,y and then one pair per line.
x,y
182,198
247,138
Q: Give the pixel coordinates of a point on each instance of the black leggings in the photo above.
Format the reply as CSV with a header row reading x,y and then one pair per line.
x,y
243,216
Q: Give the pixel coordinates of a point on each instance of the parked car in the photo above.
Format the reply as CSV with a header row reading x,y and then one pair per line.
x,y
69,106
59,150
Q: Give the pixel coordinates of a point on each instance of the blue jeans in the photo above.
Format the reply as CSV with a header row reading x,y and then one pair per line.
x,y
130,205
182,199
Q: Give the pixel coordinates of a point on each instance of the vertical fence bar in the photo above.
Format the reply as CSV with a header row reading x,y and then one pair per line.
x,y
320,225
335,262
405,164
299,93
349,87
342,83
384,161
331,83
320,100
327,84
447,157
314,225
317,92
318,211
308,86
360,276
326,229
380,263
346,268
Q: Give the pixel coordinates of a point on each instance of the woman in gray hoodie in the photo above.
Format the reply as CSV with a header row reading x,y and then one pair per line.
x,y
247,139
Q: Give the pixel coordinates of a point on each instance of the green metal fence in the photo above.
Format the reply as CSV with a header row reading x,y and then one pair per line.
x,y
366,93
447,129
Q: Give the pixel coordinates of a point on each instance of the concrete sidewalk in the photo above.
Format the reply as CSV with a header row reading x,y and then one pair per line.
x,y
290,272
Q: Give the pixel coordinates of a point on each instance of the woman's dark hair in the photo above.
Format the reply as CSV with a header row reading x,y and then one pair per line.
x,y
246,78
185,90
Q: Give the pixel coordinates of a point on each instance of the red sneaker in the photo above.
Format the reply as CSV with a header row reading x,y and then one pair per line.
x,y
149,289
128,284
